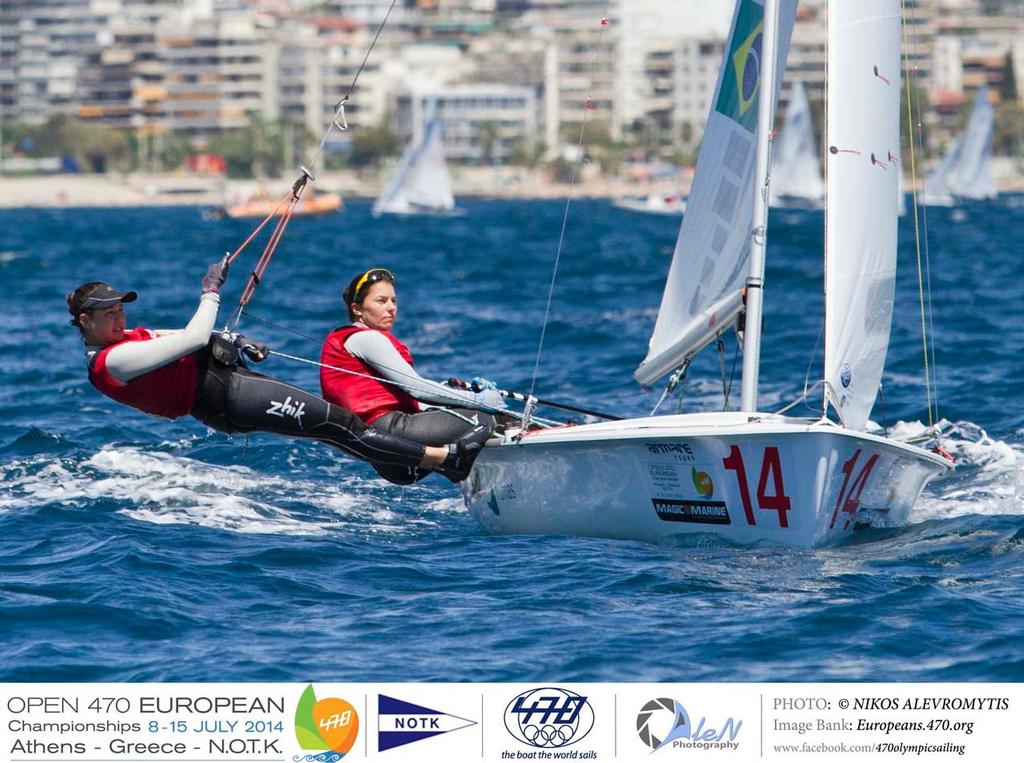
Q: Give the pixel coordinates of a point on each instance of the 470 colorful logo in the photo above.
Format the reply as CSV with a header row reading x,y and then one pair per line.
x,y
549,717
328,727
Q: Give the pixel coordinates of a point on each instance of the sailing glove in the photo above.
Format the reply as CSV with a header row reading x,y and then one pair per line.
x,y
215,276
479,384
490,399
255,351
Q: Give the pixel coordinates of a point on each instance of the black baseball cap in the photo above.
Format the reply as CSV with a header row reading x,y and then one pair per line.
x,y
95,295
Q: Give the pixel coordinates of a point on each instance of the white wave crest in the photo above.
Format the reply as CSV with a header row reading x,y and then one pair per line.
x,y
167,488
989,477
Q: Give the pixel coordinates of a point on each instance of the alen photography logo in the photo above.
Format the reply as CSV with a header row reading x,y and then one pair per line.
x,y
664,722
549,717
328,726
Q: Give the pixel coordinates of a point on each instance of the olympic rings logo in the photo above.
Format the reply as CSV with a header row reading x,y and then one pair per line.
x,y
549,717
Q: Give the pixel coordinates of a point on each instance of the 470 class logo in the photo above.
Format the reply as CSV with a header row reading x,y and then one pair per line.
x,y
549,717
327,727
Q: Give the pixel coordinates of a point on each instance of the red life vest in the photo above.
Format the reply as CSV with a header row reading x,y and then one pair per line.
x,y
368,398
169,391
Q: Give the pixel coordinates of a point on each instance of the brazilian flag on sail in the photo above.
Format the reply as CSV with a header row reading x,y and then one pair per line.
x,y
737,96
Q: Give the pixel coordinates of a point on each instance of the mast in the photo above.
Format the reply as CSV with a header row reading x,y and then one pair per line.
x,y
755,279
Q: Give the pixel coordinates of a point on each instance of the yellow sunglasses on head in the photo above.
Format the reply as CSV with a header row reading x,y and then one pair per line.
x,y
369,278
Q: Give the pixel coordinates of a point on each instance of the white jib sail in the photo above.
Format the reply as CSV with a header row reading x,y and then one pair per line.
x,y
972,178
796,168
421,180
861,213
710,263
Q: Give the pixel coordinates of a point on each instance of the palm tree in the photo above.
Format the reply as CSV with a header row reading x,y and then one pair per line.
x,y
488,133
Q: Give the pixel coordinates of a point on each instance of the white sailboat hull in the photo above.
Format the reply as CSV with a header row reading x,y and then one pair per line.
x,y
654,204
776,481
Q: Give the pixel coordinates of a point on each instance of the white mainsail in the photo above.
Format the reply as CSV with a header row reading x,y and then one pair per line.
x,y
973,176
796,168
703,290
861,213
421,183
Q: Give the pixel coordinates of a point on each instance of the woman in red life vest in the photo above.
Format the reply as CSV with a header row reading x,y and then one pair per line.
x,y
185,372
369,371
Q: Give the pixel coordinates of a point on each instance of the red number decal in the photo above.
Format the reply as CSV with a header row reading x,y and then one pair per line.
x,y
771,467
734,461
849,500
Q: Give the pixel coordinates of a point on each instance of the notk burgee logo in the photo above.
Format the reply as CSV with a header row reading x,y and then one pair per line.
x,y
327,727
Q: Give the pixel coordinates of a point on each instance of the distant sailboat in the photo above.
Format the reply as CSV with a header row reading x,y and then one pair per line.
x,y
965,172
796,180
654,204
421,184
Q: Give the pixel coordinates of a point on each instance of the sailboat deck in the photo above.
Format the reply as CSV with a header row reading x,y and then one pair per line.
x,y
714,424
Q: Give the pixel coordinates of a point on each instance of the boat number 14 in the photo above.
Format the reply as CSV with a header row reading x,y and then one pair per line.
x,y
771,489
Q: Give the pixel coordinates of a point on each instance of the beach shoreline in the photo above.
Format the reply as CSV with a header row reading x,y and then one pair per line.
x,y
179,189
176,189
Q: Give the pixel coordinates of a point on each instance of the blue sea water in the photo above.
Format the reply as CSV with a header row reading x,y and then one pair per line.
x,y
136,549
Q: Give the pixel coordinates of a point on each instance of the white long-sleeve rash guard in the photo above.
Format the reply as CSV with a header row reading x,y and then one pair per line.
x,y
376,350
131,360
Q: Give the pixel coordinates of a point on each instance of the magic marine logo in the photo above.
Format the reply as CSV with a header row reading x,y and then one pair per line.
x,y
665,723
737,96
400,722
549,717
328,727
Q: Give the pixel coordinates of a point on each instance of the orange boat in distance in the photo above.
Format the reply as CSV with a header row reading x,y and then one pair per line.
x,y
261,205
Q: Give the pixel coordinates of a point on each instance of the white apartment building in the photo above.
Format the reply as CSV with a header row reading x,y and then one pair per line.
x,y
370,12
522,58
219,74
44,44
947,65
462,109
316,66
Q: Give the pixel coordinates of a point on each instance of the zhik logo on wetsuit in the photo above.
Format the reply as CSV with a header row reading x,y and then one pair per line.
x,y
287,408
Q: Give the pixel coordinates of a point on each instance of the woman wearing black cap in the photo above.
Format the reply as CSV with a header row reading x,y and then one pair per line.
x,y
175,373
367,370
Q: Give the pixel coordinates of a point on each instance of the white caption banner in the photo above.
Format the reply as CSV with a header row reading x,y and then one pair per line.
x,y
324,722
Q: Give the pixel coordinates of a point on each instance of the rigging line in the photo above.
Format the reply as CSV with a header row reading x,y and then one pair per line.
x,y
298,186
587,108
234,255
404,385
917,229
814,356
806,394
264,261
927,260
824,276
279,325
721,363
339,109
732,376
416,381
363,375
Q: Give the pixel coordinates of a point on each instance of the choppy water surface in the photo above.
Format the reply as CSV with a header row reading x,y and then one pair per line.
x,y
137,549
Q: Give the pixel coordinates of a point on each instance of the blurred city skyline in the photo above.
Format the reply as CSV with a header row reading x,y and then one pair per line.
x,y
509,77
